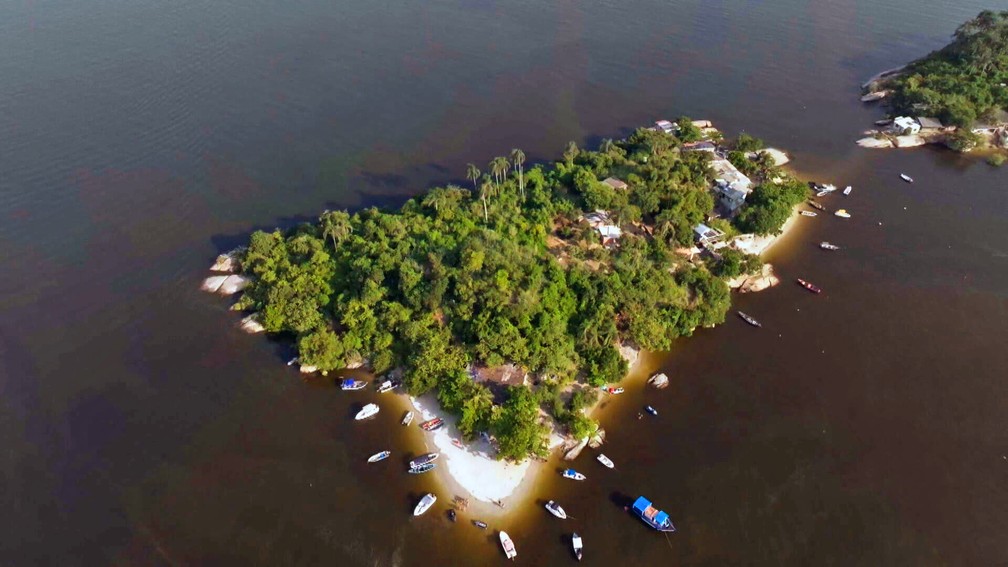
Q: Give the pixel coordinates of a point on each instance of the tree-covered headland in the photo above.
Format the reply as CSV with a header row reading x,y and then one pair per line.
x,y
505,270
962,82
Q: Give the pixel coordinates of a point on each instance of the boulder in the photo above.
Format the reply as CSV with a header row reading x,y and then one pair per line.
x,y
630,354
213,283
251,324
233,284
909,141
779,157
750,284
872,142
308,369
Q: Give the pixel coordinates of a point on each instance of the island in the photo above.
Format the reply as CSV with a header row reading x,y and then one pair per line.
x,y
956,96
509,303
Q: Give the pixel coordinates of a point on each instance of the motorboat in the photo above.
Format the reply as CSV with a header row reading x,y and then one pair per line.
x,y
387,386
749,319
577,545
842,213
809,214
367,411
605,461
573,475
809,286
847,190
556,509
425,503
906,178
827,246
480,524
424,459
407,418
651,410
508,545
652,516
422,468
432,424
615,390
350,384
816,205
379,456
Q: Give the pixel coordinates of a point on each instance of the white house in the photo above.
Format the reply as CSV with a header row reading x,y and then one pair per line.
x,y
665,126
905,125
706,236
731,185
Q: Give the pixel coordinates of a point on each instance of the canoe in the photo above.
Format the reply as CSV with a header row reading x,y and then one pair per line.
x,y
424,459
379,456
508,545
407,418
817,205
577,545
556,509
425,503
422,468
479,524
808,213
749,319
367,411
809,286
847,190
605,461
573,475
842,213
906,178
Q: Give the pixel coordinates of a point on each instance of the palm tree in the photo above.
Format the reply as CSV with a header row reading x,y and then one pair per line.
x,y
518,157
571,152
486,190
335,225
473,172
498,167
606,146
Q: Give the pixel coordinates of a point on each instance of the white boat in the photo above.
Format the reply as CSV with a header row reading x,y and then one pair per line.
x,y
577,545
605,461
829,188
379,456
906,178
387,386
847,190
842,213
808,213
407,418
508,545
827,246
573,475
556,509
425,503
367,411
822,194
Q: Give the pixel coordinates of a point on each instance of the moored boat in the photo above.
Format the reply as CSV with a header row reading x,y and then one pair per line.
x,y
379,456
816,204
424,459
615,390
508,545
556,509
573,475
906,178
367,411
651,410
422,468
659,380
432,424
479,524
351,384
847,190
748,319
809,286
827,246
451,514
808,214
425,503
652,516
577,545
407,418
387,386
605,461
842,213
822,194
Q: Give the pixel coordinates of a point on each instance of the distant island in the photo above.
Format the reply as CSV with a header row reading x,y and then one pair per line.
x,y
957,95
511,299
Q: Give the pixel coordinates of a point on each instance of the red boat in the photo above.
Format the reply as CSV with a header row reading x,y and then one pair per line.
x,y
432,424
809,286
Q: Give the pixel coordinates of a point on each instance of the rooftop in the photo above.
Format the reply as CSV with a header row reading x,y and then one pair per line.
x,y
615,183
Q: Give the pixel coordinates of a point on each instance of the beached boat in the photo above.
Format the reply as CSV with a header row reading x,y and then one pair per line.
x,y
906,178
809,286
808,214
842,213
874,96
556,509
424,459
479,524
816,205
425,503
605,461
615,390
573,475
406,419
652,516
508,545
847,190
351,384
651,410
659,380
432,424
385,386
379,456
827,246
422,468
749,319
367,411
577,545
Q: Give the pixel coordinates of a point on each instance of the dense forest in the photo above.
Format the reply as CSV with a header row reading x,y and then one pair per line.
x,y
506,270
965,81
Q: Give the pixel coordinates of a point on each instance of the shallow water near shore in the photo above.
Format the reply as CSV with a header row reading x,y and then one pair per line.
x,y
863,426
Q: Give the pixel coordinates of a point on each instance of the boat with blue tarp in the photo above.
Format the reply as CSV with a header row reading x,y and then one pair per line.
x,y
652,516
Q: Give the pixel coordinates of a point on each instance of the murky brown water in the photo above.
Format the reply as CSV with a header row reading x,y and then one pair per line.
x,y
864,426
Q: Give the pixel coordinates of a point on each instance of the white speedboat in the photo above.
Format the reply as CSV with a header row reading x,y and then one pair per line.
x,y
556,509
508,545
367,411
605,461
808,213
842,213
407,418
379,456
577,545
827,246
425,503
906,178
847,190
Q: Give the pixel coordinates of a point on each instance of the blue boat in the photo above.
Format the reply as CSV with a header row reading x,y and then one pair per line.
x,y
573,475
652,516
351,384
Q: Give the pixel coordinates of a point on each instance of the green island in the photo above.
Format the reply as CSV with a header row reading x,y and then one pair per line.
x,y
550,268
957,95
